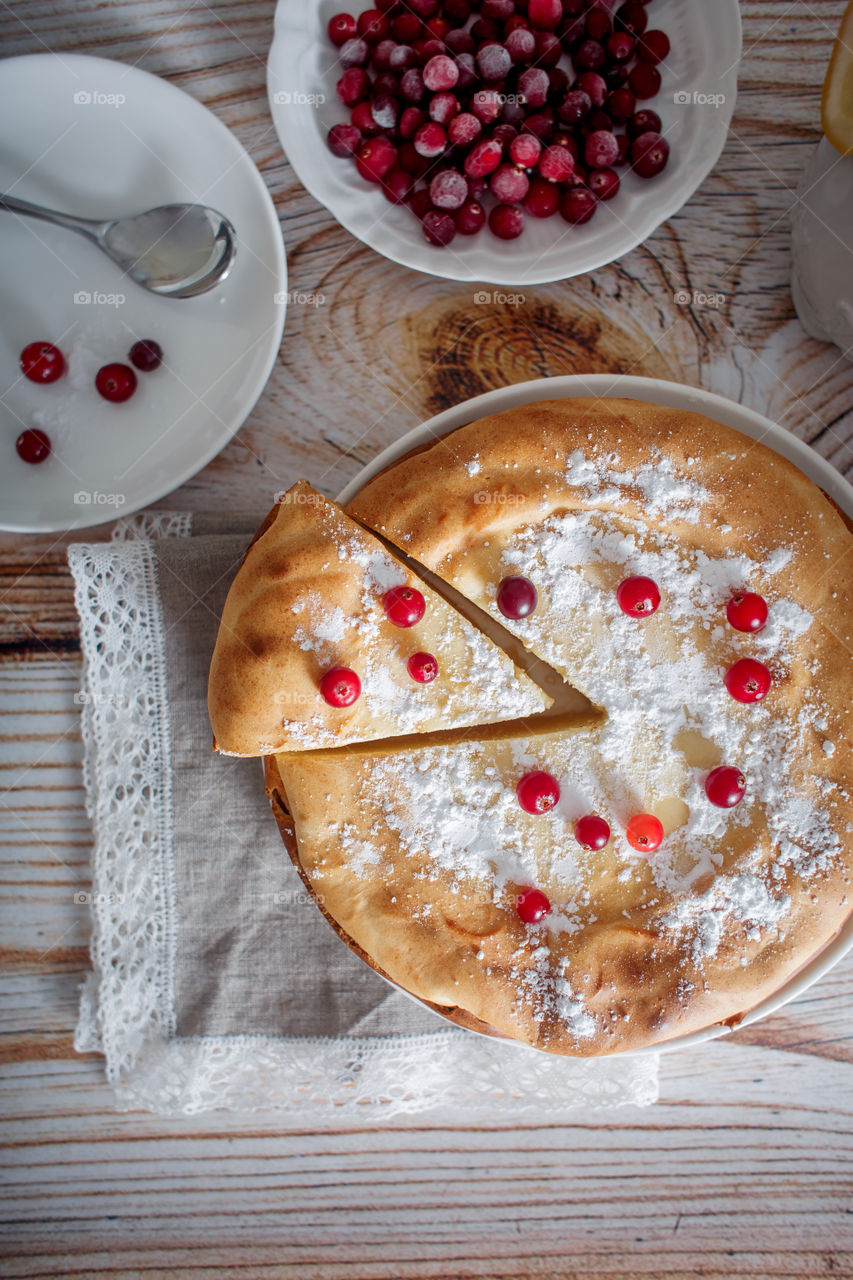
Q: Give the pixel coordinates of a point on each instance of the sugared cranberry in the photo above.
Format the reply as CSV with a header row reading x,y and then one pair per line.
x,y
645,121
342,27
506,221
464,129
430,140
344,139
374,158
644,832
542,198
532,905
545,14
604,183
638,597
448,190
747,611
591,831
33,445
509,184
653,46
644,80
589,55
649,154
632,17
116,382
525,150
517,597
483,158
404,606
422,667
42,362
577,205
725,787
748,680
440,73
470,218
340,687
556,164
601,149
538,792
439,228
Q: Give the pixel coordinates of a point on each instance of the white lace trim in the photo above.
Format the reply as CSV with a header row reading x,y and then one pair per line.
x,y
154,524
127,1008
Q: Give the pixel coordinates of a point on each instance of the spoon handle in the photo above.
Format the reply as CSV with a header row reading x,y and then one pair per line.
x,y
86,226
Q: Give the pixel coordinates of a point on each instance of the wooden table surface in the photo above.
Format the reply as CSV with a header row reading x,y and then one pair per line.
x,y
744,1167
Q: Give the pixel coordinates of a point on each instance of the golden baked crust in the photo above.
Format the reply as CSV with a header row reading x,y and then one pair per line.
x,y
578,495
308,597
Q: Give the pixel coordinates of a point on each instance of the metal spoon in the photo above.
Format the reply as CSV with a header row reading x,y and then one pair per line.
x,y
177,250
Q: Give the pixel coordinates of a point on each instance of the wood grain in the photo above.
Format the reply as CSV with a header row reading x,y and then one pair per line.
x,y
744,1168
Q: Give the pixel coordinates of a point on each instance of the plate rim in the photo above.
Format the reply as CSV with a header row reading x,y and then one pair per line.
x,y
221,439
447,268
678,396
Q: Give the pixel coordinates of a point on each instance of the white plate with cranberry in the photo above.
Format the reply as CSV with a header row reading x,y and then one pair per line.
x,y
655,391
507,141
110,396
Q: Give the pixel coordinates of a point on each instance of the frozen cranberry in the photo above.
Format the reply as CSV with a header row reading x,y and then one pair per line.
x,y
574,107
545,14
493,61
467,70
644,80
509,184
542,198
404,606
412,85
591,832
470,218
483,158
115,382
342,27
540,124
632,18
624,144
517,597
604,183
594,85
374,158
443,107
457,12
428,49
644,833
748,680
556,164
387,82
402,58
340,687
440,73
601,149
747,611
438,27
525,150
533,87
385,111
448,190
497,10
409,160
653,47
486,105
616,75
588,55
410,121
464,129
620,46
538,792
361,118
532,906
521,44
406,27
649,154
725,787
558,84
485,29
506,221
373,26
382,54
459,41
577,205
147,355
504,134
424,8
42,362
644,121
620,105
352,86
422,667
354,53
420,203
548,49
343,139
33,445
430,140
397,185
638,597
439,228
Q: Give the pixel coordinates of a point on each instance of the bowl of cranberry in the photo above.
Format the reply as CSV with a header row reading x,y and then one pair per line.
x,y
507,141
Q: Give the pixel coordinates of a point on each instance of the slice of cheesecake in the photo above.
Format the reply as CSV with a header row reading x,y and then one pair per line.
x,y
327,639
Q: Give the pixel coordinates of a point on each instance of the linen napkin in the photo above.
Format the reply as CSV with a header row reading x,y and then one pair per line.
x,y
216,982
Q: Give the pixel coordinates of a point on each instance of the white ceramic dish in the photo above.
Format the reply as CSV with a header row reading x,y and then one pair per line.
x,y
706,47
98,139
679,397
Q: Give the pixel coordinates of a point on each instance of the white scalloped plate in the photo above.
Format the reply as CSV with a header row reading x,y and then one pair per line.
x,y
676,396
706,48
